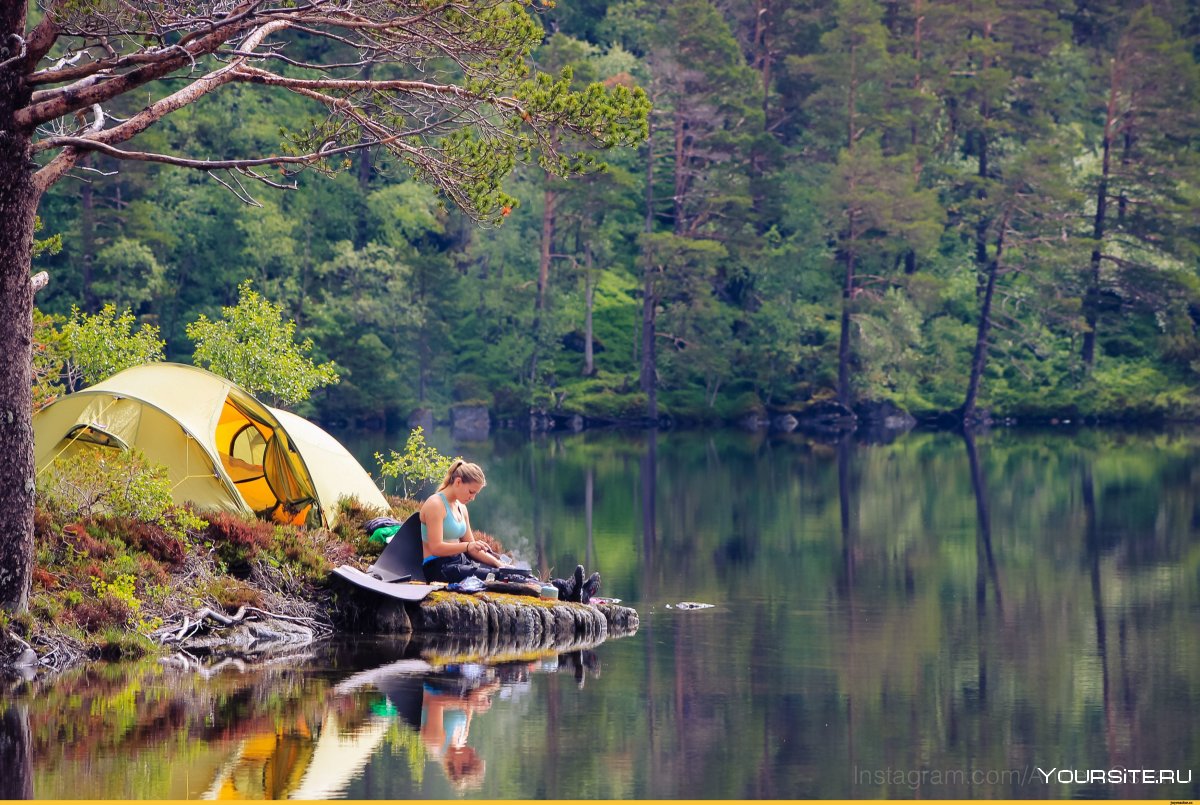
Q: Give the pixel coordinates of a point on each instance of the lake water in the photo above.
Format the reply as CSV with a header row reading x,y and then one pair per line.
x,y
933,618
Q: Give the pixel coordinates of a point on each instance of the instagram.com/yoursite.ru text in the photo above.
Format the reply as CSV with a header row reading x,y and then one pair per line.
x,y
925,778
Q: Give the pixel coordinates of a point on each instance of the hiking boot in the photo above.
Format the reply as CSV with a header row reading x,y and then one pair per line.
x,y
564,589
577,584
589,588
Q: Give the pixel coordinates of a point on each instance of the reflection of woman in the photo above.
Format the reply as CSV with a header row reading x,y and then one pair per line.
x,y
445,725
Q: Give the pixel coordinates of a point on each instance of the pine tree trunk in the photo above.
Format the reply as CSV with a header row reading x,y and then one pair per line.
x,y
18,204
16,757
844,349
1091,294
550,199
648,374
843,387
681,185
589,301
983,333
87,240
984,223
762,24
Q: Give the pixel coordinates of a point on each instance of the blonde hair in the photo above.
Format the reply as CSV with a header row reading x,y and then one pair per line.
x,y
468,472
465,769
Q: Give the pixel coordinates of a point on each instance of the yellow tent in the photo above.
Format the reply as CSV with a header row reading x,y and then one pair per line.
x,y
222,448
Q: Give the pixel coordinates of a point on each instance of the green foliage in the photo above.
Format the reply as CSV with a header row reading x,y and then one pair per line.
x,y
122,591
118,483
128,274
1138,390
420,464
98,346
606,396
853,132
48,359
309,554
231,593
255,347
50,245
238,539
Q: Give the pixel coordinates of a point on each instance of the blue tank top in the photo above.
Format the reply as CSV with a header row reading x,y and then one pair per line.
x,y
453,529
454,723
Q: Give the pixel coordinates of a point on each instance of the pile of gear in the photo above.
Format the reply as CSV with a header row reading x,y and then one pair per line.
x,y
522,582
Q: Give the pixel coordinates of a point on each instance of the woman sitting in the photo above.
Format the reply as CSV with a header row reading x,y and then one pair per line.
x,y
450,548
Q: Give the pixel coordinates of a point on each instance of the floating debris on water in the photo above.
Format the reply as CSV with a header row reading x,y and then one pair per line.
x,y
691,605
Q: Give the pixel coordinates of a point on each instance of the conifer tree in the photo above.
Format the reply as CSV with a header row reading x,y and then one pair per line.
x,y
1145,196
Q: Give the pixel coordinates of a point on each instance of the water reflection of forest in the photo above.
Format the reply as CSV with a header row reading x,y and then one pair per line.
x,y
304,726
1007,600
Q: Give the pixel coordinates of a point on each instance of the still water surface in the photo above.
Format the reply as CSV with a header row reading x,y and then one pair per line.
x,y
930,618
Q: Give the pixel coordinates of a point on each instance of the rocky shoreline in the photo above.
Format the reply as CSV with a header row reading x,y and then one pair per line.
x,y
872,420
495,616
495,621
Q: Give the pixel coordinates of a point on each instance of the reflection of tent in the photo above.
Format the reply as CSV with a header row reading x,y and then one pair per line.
x,y
339,757
222,448
292,765
264,766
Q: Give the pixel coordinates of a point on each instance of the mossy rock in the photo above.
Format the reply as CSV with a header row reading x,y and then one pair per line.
x,y
510,616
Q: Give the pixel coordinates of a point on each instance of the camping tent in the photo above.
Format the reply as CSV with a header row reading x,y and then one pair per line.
x,y
223,449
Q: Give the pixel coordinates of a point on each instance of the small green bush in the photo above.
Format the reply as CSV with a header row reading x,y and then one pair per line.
x,y
101,481
307,552
469,387
419,464
118,644
98,614
154,540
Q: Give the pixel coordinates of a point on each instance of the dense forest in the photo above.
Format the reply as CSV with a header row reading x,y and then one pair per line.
x,y
952,206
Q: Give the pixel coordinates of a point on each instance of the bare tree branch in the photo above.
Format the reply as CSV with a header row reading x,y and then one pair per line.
x,y
91,144
168,62
151,114
42,38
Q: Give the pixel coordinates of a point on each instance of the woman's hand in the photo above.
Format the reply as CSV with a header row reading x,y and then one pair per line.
x,y
480,552
479,548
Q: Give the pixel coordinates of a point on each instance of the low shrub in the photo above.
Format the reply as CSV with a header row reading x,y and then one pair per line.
x,y
151,571
117,644
231,594
88,545
97,614
46,607
154,540
102,481
419,465
45,580
238,540
311,553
